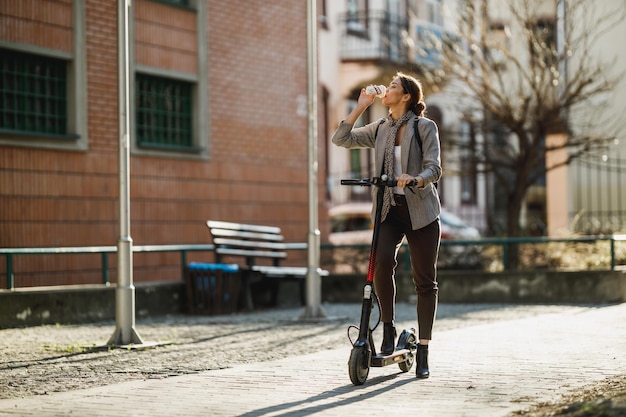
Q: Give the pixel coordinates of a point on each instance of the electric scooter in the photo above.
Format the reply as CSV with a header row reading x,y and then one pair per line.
x,y
363,354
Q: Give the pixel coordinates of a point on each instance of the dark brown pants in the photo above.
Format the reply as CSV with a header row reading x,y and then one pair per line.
x,y
423,249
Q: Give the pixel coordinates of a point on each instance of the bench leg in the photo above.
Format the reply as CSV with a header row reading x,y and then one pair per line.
x,y
274,287
303,292
245,293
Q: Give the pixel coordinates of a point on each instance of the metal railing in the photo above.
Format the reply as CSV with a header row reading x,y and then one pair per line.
x,y
506,242
373,35
360,251
104,251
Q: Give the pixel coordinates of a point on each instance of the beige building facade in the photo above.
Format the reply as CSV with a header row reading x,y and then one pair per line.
x,y
365,42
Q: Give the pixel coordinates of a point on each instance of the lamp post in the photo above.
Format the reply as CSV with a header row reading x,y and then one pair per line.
x,y
313,307
125,332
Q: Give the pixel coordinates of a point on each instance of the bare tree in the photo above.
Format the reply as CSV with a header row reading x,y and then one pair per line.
x,y
529,77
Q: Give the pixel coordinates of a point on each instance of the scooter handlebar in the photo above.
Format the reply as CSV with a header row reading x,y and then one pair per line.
x,y
383,181
366,182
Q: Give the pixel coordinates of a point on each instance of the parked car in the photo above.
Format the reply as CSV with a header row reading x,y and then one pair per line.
x,y
458,256
453,228
351,231
351,225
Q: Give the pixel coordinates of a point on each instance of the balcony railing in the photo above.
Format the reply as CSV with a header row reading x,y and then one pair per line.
x,y
374,36
383,37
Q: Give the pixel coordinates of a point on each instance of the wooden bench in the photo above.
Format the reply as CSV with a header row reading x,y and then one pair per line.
x,y
258,246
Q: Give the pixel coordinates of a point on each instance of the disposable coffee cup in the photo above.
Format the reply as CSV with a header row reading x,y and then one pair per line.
x,y
376,90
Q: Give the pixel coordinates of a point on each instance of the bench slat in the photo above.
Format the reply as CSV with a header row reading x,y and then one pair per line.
x,y
249,244
213,224
282,271
250,253
246,235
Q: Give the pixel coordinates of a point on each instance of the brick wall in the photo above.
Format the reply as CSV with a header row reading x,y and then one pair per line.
x,y
165,37
46,23
257,170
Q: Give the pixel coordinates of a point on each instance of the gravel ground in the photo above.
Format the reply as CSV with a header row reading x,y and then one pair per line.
x,y
607,399
45,359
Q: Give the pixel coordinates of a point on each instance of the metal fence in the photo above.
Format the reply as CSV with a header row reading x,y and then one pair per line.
x,y
104,252
350,256
600,196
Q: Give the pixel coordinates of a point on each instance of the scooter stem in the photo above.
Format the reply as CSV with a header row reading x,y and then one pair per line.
x,y
377,218
366,311
368,288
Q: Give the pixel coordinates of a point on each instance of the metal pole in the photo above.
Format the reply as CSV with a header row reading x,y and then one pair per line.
x,y
10,277
125,332
561,44
313,307
105,268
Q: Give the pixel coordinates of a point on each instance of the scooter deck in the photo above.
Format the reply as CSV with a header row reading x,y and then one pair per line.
x,y
397,356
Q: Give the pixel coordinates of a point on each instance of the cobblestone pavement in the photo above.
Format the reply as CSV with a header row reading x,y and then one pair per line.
x,y
486,360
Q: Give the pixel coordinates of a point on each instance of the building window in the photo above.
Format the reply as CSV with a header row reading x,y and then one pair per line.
x,y
468,166
323,17
183,3
497,44
43,103
357,16
164,112
434,10
543,42
360,159
33,94
356,168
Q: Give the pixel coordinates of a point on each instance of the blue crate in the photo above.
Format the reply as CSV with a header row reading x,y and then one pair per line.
x,y
212,288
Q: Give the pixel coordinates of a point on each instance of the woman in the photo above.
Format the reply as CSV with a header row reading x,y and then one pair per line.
x,y
414,215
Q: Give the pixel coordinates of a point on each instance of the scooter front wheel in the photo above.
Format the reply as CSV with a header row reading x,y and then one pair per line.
x,y
408,341
359,364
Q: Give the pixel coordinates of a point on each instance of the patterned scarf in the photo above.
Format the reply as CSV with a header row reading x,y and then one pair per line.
x,y
388,163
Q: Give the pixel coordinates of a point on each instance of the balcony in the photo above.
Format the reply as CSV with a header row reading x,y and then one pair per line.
x,y
385,38
375,36
429,41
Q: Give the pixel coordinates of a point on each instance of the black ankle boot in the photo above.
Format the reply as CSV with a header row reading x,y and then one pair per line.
x,y
389,339
422,362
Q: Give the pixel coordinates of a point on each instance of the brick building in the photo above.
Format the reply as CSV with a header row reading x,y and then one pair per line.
x,y
218,106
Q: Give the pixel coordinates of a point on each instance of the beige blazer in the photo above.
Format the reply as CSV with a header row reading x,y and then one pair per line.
x,y
424,205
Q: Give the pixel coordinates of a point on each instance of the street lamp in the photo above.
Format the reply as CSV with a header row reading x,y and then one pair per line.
x,y
313,307
125,333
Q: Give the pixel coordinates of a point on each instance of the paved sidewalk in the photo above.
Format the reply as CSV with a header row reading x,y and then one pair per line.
x,y
483,369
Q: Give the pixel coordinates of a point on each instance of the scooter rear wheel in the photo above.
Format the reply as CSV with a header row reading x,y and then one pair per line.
x,y
359,365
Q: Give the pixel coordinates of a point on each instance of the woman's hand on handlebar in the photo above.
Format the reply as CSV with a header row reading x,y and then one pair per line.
x,y
406,180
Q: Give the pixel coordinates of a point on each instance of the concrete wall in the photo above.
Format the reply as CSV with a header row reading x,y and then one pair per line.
x,y
550,287
81,304
84,303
